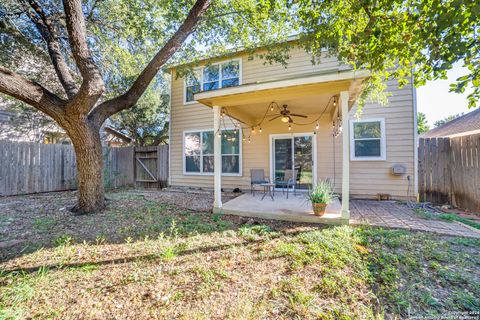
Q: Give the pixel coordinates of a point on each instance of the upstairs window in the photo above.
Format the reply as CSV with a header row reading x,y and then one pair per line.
x,y
212,77
367,139
192,84
230,74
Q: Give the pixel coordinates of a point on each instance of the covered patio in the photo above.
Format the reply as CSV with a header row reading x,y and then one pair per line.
x,y
324,100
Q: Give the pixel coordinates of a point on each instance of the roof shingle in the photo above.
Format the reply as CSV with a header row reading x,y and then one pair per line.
x,y
462,125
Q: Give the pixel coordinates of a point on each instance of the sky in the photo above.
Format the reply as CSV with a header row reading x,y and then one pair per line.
x,y
435,100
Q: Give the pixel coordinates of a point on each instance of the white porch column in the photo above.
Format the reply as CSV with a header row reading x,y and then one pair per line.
x,y
344,96
217,158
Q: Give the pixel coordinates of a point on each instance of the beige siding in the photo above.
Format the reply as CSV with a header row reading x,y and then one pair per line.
x,y
367,177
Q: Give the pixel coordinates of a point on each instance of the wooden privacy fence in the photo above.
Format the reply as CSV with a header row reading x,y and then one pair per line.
x,y
449,171
31,167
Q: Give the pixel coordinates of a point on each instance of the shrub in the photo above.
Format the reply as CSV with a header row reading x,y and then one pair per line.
x,y
322,193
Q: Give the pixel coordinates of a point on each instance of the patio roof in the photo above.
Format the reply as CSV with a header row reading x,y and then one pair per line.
x,y
310,84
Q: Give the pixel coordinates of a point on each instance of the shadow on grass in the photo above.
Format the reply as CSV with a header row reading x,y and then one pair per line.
x,y
127,218
128,259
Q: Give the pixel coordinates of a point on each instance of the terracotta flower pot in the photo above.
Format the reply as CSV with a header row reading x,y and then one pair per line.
x,y
319,208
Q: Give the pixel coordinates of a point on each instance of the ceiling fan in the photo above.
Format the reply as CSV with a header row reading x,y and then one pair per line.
x,y
287,115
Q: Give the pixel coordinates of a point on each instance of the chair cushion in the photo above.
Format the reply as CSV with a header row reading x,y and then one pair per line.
x,y
259,181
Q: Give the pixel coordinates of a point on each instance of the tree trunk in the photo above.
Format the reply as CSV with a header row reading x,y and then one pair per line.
x,y
88,150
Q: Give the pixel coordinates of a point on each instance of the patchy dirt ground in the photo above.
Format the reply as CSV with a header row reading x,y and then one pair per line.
x,y
146,258
30,222
196,200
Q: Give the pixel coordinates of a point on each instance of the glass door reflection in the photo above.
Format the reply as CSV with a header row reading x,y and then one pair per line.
x,y
294,152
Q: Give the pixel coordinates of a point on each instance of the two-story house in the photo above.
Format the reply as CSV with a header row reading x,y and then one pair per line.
x,y
238,114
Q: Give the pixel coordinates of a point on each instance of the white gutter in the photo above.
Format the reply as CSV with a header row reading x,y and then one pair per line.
x,y
170,133
415,144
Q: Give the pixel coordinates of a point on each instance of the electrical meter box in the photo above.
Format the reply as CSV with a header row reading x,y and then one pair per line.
x,y
398,170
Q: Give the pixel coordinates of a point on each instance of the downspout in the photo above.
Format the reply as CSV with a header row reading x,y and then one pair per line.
x,y
415,141
170,131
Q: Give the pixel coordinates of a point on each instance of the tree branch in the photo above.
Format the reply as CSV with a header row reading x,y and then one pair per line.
x,y
47,29
30,92
130,98
92,87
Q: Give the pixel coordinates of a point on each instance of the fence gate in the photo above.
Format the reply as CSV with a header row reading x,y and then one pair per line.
x,y
151,167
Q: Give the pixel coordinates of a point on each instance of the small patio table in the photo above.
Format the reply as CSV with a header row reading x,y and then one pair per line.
x,y
268,189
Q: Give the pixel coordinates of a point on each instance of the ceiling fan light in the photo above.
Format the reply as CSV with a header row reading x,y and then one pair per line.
x,y
285,119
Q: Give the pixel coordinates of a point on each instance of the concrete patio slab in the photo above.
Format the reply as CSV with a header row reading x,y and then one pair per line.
x,y
295,208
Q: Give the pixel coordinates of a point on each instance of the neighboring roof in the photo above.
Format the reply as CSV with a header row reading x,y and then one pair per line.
x,y
467,124
118,134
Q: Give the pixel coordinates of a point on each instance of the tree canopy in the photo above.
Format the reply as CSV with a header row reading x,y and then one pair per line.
x,y
393,39
422,123
441,122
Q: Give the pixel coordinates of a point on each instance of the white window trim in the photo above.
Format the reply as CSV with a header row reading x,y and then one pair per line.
x,y
383,141
201,173
240,80
185,102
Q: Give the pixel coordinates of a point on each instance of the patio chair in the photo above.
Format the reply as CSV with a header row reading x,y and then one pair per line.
x,y
257,176
288,180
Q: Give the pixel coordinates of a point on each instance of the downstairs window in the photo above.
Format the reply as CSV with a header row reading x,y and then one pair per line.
x,y
199,156
367,139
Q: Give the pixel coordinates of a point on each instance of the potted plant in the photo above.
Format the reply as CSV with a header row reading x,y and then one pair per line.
x,y
320,197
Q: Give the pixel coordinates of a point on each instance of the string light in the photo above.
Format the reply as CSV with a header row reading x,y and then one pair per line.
x,y
337,129
272,105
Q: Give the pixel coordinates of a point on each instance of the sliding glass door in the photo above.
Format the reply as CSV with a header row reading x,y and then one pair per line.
x,y
282,158
293,152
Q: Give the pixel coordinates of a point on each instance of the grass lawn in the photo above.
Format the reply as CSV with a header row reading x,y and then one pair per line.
x,y
141,259
425,214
